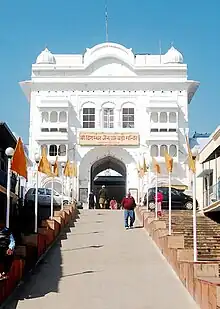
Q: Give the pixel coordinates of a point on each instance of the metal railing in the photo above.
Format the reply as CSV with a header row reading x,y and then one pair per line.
x,y
211,195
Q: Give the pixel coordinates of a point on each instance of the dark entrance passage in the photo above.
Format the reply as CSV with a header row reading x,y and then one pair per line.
x,y
115,185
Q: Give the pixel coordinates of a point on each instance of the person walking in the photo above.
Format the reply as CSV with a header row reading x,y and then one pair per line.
x,y
102,197
128,204
159,203
7,246
92,200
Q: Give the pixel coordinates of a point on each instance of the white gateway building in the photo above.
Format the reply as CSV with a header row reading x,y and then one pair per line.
x,y
106,109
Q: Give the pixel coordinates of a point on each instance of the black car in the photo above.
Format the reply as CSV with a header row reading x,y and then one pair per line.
x,y
179,199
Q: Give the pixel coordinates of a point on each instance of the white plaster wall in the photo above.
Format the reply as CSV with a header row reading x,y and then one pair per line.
x,y
106,75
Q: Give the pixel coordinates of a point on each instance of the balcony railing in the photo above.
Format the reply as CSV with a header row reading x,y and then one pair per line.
x,y
211,195
3,180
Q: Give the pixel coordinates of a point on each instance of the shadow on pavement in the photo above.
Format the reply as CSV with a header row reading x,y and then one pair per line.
x,y
45,277
82,248
81,234
82,273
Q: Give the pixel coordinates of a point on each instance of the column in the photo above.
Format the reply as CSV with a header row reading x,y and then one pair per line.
x,y
216,175
98,116
118,119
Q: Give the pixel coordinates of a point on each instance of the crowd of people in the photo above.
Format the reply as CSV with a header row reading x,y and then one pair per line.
x,y
128,204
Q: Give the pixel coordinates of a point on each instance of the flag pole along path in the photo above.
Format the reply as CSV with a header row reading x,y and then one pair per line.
x,y
192,167
169,166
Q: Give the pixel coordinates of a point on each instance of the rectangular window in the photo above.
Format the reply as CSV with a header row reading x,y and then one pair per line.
x,y
128,117
44,129
163,130
63,130
108,118
172,130
89,117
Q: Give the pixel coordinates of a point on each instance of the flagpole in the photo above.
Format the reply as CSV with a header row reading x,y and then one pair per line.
x,y
9,153
156,195
142,188
37,160
170,203
52,185
148,186
194,219
62,180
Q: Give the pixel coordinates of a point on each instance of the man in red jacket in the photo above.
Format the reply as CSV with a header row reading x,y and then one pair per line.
x,y
128,203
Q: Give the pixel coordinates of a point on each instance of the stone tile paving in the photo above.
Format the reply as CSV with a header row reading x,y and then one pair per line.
x,y
103,266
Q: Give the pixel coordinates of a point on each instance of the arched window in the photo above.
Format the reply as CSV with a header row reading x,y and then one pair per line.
x,y
108,117
154,117
154,151
44,116
53,116
163,149
88,117
62,117
173,150
172,117
53,150
163,117
128,117
44,146
62,150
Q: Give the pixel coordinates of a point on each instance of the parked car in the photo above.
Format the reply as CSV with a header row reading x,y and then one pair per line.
x,y
180,200
44,197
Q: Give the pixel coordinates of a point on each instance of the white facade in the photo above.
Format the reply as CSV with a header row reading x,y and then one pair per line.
x,y
106,90
208,173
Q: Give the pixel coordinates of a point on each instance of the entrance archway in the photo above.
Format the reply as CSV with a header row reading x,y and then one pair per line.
x,y
115,185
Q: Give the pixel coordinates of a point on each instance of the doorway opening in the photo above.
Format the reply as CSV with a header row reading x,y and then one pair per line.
x,y
110,172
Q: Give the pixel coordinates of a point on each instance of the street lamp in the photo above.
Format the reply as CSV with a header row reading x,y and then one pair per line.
x,y
62,180
9,153
37,160
52,162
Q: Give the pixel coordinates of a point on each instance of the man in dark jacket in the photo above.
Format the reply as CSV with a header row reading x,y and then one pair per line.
x,y
92,200
7,246
128,203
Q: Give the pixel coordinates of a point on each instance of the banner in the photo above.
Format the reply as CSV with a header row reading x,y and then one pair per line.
x,y
104,139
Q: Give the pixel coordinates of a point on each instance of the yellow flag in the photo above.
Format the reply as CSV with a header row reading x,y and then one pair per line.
x,y
67,169
169,162
74,169
191,161
44,165
156,166
56,168
19,161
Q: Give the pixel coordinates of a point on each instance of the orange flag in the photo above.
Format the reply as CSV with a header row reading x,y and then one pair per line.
x,y
56,168
44,165
169,162
156,166
191,161
19,161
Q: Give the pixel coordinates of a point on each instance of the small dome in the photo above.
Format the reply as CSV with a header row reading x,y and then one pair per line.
x,y
46,57
173,56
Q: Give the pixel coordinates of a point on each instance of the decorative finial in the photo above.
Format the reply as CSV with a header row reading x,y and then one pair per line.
x,y
106,21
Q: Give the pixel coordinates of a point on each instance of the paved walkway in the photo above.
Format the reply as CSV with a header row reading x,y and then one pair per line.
x,y
102,266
